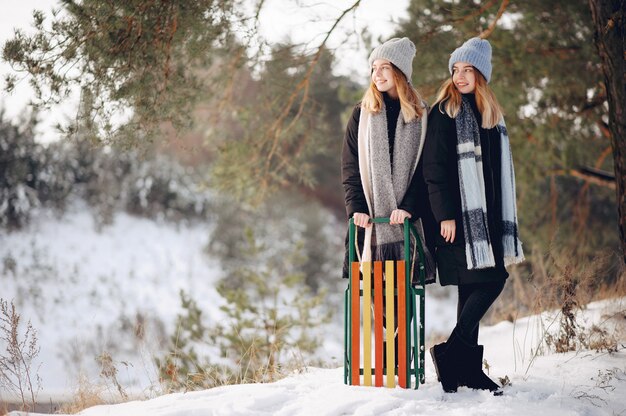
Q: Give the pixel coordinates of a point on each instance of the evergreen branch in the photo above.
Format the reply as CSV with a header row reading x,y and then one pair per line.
x,y
457,20
594,176
259,7
478,12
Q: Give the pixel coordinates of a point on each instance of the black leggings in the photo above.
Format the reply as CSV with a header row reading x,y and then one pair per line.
x,y
474,301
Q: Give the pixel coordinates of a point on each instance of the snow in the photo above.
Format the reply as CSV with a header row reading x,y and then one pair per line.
x,y
583,383
90,287
85,290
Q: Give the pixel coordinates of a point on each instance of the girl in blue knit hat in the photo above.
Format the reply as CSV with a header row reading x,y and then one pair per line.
x,y
469,174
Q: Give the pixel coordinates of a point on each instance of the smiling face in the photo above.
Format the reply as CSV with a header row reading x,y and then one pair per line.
x,y
464,77
382,77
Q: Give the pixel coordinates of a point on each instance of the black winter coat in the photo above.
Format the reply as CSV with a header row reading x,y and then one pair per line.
x,y
415,200
442,179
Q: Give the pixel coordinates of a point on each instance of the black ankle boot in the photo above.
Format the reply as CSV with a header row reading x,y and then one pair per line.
x,y
436,353
447,358
471,372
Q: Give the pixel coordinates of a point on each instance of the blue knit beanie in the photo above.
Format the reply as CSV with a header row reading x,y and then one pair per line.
x,y
475,51
398,51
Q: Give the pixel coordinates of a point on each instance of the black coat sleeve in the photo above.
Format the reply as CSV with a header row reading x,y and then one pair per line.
x,y
439,165
413,201
350,173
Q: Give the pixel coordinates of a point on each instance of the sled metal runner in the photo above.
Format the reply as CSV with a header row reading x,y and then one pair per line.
x,y
370,290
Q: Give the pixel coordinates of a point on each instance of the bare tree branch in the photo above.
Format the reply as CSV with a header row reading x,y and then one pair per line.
x,y
485,34
589,175
594,176
276,129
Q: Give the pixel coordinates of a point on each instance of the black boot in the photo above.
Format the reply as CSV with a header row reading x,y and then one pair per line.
x,y
447,357
471,372
436,353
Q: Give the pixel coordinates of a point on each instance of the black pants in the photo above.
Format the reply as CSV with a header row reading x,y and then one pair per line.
x,y
474,301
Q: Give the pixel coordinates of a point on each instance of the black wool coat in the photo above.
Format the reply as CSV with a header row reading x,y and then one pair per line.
x,y
415,200
441,175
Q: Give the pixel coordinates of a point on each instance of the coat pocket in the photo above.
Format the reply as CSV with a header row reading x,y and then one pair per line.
x,y
450,263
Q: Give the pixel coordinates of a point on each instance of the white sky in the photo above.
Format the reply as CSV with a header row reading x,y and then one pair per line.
x,y
302,21
307,21
18,14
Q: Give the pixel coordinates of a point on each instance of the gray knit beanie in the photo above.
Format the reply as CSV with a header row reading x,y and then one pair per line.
x,y
398,51
475,51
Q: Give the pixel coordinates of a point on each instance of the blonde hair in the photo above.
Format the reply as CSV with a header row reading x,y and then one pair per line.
x,y
449,99
411,103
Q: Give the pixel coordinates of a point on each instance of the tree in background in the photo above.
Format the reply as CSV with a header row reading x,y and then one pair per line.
x,y
609,18
258,154
20,165
271,124
134,62
144,65
269,322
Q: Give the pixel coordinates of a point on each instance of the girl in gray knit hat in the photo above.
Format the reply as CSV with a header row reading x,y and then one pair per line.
x,y
468,170
382,146
381,150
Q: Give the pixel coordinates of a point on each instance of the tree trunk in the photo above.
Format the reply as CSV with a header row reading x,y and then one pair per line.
x,y
609,18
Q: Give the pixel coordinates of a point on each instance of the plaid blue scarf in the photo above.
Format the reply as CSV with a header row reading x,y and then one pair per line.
x,y
478,250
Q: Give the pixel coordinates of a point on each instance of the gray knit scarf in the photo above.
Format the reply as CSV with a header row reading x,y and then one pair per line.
x,y
478,249
389,182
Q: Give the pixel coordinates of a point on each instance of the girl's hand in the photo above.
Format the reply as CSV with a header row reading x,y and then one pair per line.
x,y
398,215
448,230
361,220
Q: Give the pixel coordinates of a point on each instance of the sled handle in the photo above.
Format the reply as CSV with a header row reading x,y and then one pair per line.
x,y
379,220
408,230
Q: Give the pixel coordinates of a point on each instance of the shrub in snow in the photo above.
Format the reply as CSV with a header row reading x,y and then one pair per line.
x,y
20,162
152,186
270,320
283,222
269,311
56,176
162,188
18,371
33,175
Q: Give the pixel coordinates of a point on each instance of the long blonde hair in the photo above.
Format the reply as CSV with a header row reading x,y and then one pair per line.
x,y
411,103
449,99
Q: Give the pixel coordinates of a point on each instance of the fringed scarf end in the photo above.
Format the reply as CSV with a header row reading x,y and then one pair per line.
x,y
479,256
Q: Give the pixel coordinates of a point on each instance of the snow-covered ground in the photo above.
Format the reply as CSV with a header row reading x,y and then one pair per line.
x,y
86,291
583,383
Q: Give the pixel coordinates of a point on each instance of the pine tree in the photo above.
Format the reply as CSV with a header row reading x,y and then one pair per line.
x,y
135,62
269,321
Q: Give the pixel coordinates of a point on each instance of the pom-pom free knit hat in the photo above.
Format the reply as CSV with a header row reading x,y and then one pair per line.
x,y
398,51
475,51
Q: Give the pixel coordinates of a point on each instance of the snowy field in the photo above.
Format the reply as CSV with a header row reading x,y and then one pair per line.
x,y
86,290
584,383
